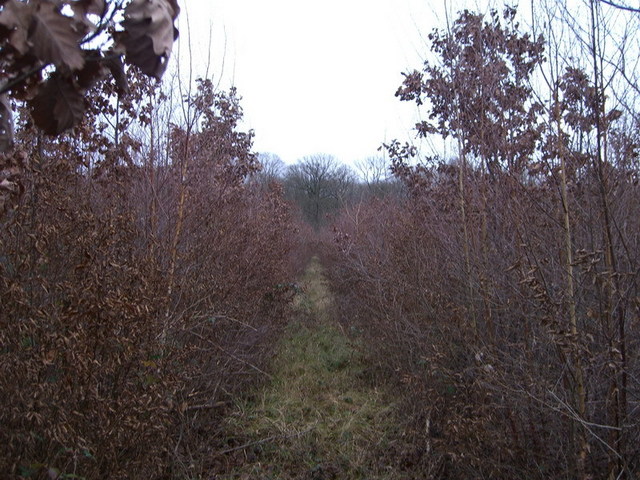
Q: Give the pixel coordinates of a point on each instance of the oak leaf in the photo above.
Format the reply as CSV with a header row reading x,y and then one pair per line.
x,y
58,106
89,7
16,17
54,39
93,71
149,34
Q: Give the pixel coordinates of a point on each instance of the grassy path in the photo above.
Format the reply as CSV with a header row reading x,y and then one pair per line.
x,y
317,418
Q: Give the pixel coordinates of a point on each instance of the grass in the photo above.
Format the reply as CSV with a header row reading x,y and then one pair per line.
x,y
317,418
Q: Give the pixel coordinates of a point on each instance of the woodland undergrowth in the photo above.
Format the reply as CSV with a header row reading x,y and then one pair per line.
x,y
501,290
143,279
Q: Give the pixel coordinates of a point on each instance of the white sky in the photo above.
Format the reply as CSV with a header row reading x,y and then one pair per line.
x,y
315,76
318,76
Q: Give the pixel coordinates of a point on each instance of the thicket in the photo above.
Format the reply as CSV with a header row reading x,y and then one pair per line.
x,y
502,293
143,276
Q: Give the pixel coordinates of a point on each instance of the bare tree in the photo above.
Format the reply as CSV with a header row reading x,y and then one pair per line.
x,y
272,168
373,170
375,178
319,184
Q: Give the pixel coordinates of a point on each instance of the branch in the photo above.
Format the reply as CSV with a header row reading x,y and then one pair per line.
x,y
621,7
16,81
106,20
235,357
266,440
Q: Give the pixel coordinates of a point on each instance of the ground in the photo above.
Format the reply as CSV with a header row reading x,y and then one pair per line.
x,y
318,417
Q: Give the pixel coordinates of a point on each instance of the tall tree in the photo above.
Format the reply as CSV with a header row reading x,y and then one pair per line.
x,y
272,168
478,92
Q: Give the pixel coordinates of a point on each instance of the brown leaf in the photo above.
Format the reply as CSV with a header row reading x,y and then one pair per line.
x,y
93,71
6,124
16,17
54,39
9,186
58,106
149,34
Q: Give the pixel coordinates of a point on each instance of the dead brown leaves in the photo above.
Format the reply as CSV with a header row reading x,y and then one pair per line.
x,y
40,37
149,34
104,372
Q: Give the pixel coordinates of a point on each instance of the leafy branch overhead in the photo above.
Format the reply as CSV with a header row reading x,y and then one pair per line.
x,y
53,51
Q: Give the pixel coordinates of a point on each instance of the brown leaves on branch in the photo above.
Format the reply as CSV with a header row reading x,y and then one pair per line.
x,y
479,90
16,18
85,7
149,34
503,282
39,36
96,354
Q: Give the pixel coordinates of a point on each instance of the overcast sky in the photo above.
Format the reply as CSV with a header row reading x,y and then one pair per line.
x,y
315,76
319,76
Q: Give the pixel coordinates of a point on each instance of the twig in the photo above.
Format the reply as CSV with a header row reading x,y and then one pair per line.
x,y
265,440
236,358
620,6
20,78
206,406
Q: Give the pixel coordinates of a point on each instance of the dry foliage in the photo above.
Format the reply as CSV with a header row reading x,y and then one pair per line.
x,y
122,335
46,35
502,295
495,400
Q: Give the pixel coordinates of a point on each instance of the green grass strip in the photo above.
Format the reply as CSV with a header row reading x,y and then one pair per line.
x,y
317,418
